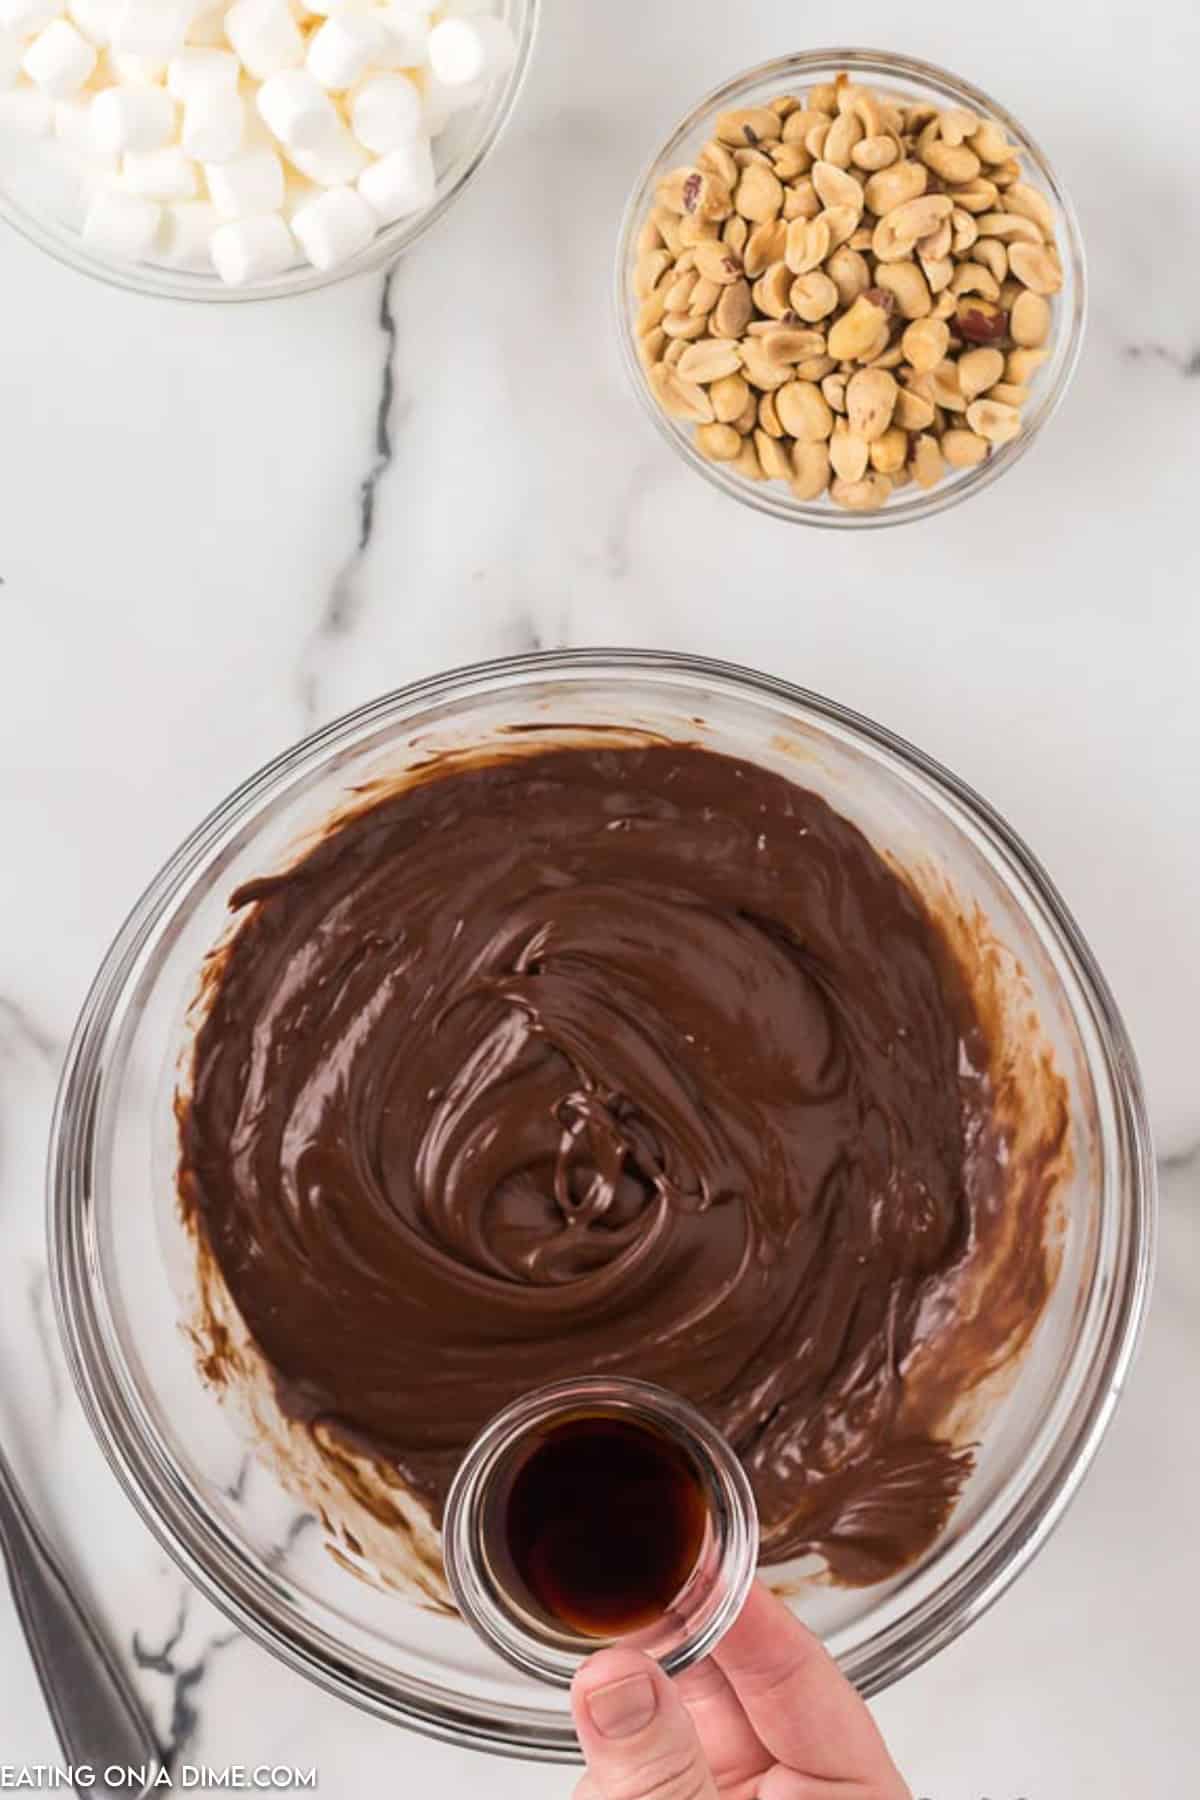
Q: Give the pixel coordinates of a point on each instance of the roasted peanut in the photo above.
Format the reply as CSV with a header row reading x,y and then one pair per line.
x,y
833,386
775,461
1037,267
768,416
728,396
765,245
889,451
870,402
720,443
853,335
682,399
759,194
907,282
696,192
734,310
893,186
978,370
867,495
850,273
926,462
925,343
875,153
717,262
899,230
810,470
993,420
747,463
750,125
790,344
1023,365
952,162
1010,393
813,296
849,454
836,188
964,449
913,411
772,291
711,360
804,412
980,321
845,132
807,245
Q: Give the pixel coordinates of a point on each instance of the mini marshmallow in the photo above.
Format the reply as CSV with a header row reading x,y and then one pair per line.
x,y
136,71
334,227
73,128
163,174
27,111
297,109
121,225
401,182
442,102
197,72
59,59
336,163
252,249
214,127
344,48
183,236
132,118
208,27
11,52
265,36
153,28
27,16
95,18
298,190
463,51
407,28
249,183
386,112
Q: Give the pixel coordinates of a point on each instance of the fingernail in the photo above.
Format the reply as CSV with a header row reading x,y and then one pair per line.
x,y
622,1707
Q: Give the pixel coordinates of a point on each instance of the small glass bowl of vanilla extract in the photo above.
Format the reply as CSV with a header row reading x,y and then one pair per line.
x,y
599,1510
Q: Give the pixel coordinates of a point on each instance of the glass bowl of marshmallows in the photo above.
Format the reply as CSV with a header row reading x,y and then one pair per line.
x,y
247,149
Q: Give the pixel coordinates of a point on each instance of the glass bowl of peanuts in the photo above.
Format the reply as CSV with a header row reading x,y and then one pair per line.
x,y
850,289
263,148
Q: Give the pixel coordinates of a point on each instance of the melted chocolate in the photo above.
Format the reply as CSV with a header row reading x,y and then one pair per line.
x,y
639,1061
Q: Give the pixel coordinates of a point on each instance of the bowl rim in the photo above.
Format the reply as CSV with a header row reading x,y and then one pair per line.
x,y
244,1595
769,497
159,281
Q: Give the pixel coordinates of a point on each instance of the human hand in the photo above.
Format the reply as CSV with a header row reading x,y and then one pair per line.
x,y
769,1716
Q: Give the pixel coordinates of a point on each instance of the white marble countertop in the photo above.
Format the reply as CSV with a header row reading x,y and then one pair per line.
x,y
219,526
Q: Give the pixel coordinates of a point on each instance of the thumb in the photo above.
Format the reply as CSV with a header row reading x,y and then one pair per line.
x,y
636,1734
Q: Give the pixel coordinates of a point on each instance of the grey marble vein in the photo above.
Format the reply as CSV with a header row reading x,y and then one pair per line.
x,y
639,485
236,1491
20,1030
1180,1159
1184,362
185,1677
275,1557
342,609
47,1341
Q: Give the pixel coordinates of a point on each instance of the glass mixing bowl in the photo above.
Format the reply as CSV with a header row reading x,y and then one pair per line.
x,y
906,78
224,1516
43,203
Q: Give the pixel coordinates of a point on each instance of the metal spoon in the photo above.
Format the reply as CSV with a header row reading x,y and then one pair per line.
x,y
98,1718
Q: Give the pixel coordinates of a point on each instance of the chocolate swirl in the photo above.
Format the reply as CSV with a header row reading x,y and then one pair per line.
x,y
638,1061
